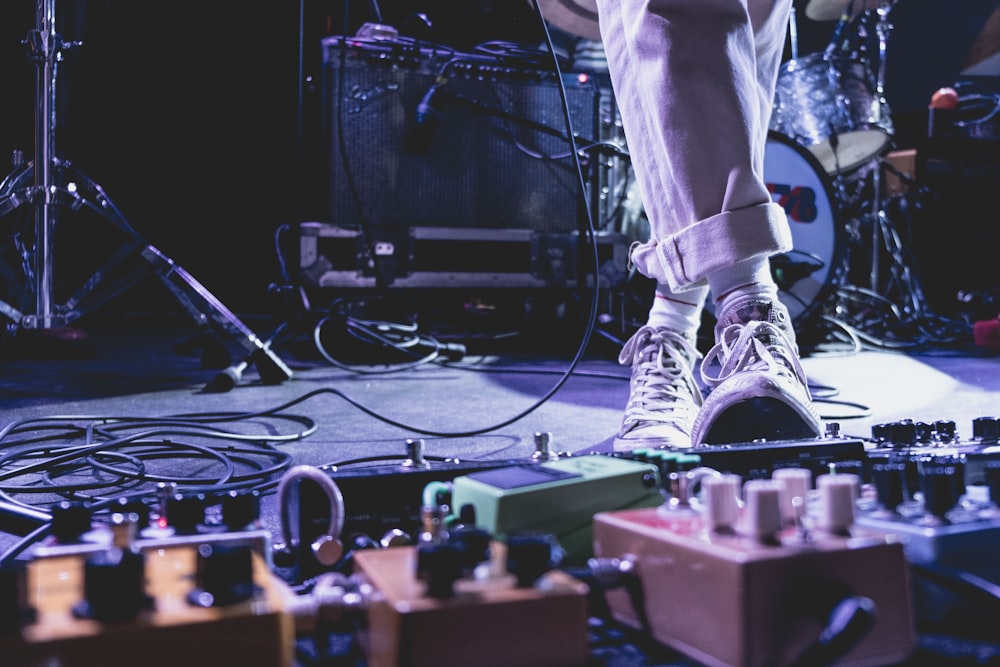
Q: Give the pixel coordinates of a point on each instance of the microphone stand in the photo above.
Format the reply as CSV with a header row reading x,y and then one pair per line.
x,y
51,183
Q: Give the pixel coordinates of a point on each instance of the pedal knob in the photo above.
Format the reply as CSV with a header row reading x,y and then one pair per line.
x,y
440,566
241,508
924,432
721,496
543,447
224,575
762,518
945,429
114,586
70,520
186,512
528,557
795,485
903,433
395,537
474,544
880,433
327,550
837,496
985,429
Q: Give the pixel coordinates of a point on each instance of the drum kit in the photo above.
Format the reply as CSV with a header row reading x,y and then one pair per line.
x,y
829,137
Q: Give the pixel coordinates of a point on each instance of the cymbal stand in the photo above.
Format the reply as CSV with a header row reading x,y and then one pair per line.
x,y
793,33
885,236
880,107
50,183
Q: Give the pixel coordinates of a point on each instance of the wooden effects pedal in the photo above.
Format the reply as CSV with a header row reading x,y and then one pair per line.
x,y
733,584
488,622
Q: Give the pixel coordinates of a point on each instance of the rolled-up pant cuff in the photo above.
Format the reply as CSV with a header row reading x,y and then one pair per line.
x,y
683,260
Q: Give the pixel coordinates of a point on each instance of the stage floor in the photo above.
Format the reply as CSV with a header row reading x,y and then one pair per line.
x,y
139,371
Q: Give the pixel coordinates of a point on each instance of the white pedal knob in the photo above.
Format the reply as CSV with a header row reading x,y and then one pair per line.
x,y
796,483
837,495
762,517
721,506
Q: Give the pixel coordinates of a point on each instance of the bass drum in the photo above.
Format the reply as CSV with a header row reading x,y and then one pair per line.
x,y
807,274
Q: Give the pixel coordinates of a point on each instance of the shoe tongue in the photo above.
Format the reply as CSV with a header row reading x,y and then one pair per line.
x,y
751,310
748,311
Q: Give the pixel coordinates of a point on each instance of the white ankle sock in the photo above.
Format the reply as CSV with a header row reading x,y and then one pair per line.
x,y
678,311
751,277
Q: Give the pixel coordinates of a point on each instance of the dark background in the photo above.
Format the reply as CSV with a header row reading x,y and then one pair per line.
x,y
199,118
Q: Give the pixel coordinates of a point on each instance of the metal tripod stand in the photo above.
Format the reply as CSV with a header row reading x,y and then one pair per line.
x,y
50,184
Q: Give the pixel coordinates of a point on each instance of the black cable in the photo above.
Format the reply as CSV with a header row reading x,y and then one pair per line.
x,y
79,456
40,456
365,332
968,585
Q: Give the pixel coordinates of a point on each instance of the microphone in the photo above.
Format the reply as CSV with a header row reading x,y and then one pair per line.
x,y
227,378
421,133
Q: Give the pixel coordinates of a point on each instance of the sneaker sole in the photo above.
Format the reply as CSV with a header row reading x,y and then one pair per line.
x,y
761,418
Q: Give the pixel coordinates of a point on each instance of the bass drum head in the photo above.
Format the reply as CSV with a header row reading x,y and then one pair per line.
x,y
807,274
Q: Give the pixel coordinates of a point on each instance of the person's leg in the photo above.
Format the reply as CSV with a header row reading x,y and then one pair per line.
x,y
758,387
695,82
686,81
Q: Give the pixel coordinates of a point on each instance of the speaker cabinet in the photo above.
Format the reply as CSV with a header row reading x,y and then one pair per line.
x,y
956,238
424,136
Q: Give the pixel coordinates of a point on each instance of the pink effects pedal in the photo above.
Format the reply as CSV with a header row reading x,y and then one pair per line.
x,y
730,581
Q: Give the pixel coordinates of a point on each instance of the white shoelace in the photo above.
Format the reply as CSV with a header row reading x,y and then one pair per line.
x,y
741,347
663,383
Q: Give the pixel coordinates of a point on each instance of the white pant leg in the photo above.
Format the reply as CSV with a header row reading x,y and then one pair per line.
x,y
694,80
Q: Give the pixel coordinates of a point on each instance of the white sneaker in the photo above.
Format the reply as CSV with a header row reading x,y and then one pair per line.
x,y
663,395
760,391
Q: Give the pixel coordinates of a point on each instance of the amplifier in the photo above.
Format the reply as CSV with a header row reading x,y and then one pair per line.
x,y
954,248
425,136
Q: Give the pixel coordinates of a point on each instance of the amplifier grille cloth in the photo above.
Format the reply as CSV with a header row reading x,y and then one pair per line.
x,y
487,164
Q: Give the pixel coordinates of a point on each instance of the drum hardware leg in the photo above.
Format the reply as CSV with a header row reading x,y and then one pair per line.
x,y
886,238
878,220
892,311
51,183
